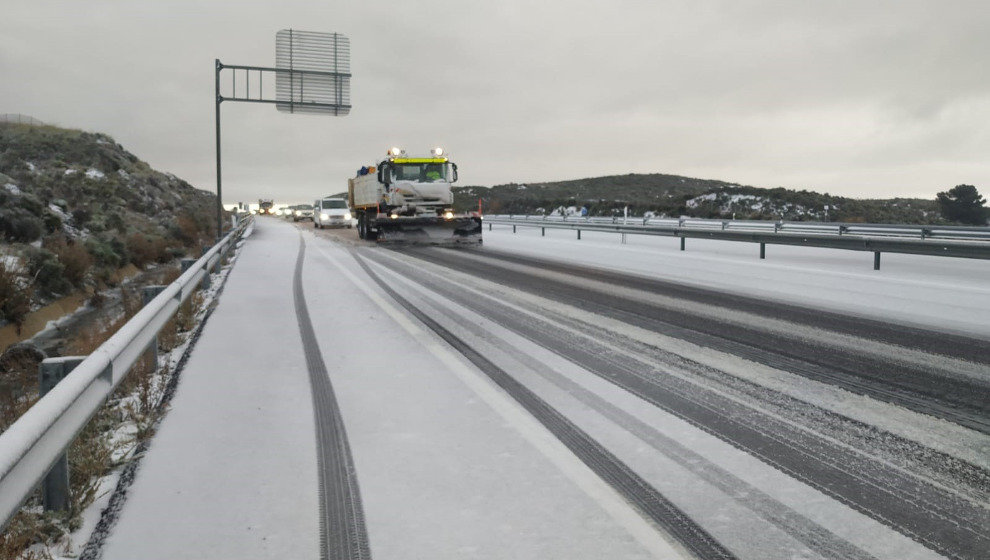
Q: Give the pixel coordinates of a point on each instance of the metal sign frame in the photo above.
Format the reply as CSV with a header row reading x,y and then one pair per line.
x,y
337,105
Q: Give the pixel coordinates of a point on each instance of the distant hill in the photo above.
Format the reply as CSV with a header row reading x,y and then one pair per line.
x,y
75,206
672,195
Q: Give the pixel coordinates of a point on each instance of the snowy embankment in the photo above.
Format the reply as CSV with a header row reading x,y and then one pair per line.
x,y
940,293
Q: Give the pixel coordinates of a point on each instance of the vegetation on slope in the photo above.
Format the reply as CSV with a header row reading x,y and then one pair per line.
x,y
76,206
674,196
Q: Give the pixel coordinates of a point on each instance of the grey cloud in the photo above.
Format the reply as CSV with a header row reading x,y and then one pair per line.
x,y
865,98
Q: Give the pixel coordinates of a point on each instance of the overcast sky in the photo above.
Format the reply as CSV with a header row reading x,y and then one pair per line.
x,y
858,98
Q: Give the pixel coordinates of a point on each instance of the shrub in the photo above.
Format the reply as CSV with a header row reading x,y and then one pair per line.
x,y
48,273
144,249
81,216
192,230
117,222
15,297
17,224
72,255
52,223
105,253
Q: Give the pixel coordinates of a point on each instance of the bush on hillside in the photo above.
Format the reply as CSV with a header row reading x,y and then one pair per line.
x,y
144,248
107,254
73,257
17,224
47,272
15,297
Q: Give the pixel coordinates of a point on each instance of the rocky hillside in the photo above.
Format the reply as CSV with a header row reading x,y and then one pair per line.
x,y
671,195
76,206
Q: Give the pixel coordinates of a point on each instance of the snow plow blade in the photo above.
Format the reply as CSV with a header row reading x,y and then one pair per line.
x,y
430,231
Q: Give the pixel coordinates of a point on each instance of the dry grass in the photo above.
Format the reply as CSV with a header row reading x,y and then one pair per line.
x,y
26,529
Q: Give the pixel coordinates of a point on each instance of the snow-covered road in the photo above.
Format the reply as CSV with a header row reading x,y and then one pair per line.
x,y
502,403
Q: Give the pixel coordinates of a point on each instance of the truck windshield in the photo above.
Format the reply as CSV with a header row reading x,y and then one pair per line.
x,y
335,203
420,172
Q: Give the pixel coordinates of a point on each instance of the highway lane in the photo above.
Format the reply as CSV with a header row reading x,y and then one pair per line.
x,y
934,498
743,415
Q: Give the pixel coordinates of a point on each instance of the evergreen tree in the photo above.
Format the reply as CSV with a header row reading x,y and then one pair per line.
x,y
963,203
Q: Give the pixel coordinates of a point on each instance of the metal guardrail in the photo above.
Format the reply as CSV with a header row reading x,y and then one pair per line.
x,y
946,241
32,444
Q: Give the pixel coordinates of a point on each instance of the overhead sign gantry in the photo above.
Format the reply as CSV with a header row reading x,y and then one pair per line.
x,y
311,76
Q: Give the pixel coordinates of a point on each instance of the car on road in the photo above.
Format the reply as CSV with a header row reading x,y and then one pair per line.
x,y
331,212
300,212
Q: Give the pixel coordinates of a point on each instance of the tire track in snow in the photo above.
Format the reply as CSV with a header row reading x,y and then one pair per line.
x,y
343,534
636,490
799,527
909,505
926,386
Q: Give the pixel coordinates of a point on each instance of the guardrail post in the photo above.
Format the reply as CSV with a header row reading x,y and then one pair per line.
x,y
489,226
682,244
148,293
579,235
876,260
513,228
206,279
55,488
763,250
543,232
623,240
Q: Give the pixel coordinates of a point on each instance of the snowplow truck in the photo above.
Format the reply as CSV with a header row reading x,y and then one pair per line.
x,y
409,199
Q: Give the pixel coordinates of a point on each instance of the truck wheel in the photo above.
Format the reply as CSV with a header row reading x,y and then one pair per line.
x,y
362,229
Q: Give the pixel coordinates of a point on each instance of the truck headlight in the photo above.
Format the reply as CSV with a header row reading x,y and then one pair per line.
x,y
448,214
347,215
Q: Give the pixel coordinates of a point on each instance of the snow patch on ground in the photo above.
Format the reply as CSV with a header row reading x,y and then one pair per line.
x,y
12,189
10,262
57,210
694,202
70,171
94,173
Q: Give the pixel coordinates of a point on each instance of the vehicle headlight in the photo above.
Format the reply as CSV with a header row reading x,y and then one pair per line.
x,y
347,215
448,214
298,212
324,216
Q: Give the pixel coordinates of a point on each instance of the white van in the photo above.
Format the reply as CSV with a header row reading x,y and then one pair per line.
x,y
331,212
